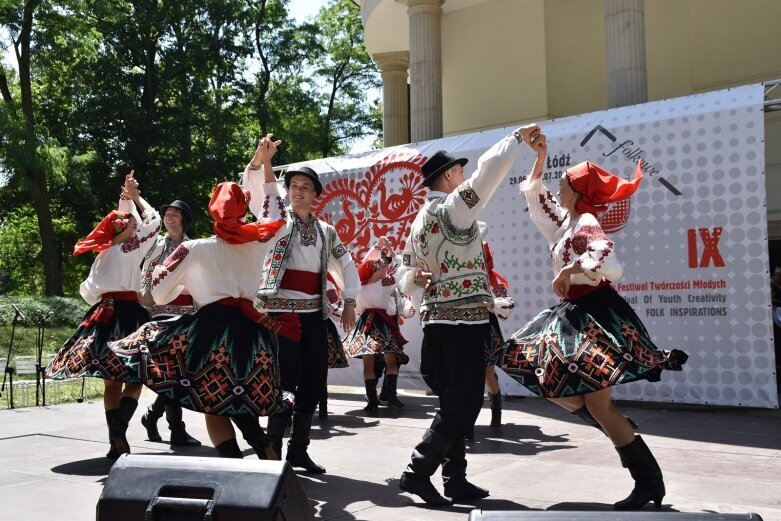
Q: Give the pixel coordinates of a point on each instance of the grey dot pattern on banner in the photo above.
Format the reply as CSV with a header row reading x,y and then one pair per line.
x,y
720,177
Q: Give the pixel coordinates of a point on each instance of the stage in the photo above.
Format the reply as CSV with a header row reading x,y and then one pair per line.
x,y
52,463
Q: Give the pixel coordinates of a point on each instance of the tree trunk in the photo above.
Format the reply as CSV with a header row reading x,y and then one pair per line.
x,y
52,267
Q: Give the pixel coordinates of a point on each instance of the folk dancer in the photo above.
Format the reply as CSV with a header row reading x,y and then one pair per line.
x,y
575,352
444,254
305,251
121,240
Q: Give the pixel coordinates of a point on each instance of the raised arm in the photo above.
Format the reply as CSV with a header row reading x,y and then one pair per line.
x,y
149,225
544,209
466,202
267,198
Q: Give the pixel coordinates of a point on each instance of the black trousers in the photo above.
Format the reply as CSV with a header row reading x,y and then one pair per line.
x,y
303,365
452,363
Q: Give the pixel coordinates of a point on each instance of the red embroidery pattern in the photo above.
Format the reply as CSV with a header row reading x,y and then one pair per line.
x,y
362,208
544,199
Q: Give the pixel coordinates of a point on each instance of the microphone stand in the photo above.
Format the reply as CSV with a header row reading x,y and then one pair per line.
x,y
40,370
9,371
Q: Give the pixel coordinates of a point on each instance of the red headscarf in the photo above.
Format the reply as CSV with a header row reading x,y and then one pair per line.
x,y
598,187
99,239
367,269
228,206
493,276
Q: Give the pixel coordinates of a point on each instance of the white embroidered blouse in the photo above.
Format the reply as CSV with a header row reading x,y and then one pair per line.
x,y
118,268
572,241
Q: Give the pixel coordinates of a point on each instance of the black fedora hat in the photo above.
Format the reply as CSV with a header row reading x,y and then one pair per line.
x,y
182,207
438,164
306,172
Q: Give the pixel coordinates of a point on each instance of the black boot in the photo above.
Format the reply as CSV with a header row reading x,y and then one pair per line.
x,y
179,435
470,434
229,449
454,475
277,423
496,408
649,485
426,457
119,425
371,395
297,447
149,420
254,435
584,414
322,406
393,399
112,451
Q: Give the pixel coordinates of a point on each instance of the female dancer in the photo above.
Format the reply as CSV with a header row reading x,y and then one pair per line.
x,y
222,360
122,239
377,333
574,352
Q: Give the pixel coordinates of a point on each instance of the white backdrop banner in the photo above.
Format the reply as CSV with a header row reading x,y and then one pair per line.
x,y
693,239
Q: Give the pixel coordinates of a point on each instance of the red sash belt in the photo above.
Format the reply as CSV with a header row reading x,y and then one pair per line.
x,y
286,325
182,300
392,322
105,310
308,282
577,291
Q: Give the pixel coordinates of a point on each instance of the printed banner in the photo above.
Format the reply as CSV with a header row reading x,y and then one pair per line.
x,y
692,240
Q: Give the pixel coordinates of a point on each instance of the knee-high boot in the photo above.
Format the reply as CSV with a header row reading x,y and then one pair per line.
x,y
277,423
393,398
179,435
297,454
429,454
119,425
254,434
649,484
149,420
496,408
454,474
229,449
373,404
112,453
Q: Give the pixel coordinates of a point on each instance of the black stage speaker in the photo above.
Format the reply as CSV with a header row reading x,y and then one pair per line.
x,y
614,515
181,488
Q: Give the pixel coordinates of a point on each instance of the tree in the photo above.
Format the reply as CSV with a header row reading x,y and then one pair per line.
x,y
21,113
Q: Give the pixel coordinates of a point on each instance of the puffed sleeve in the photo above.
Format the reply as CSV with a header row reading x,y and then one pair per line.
x,y
595,251
544,209
267,200
343,270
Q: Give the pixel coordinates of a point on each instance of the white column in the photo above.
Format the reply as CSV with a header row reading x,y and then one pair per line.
x,y
395,97
425,70
625,50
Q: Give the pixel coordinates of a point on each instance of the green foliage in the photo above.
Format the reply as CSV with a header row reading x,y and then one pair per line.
x,y
179,92
68,312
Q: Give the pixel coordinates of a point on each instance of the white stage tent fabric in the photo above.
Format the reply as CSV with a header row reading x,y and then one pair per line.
x,y
693,239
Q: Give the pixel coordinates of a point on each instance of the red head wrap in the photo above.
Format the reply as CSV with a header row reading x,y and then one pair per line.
x,y
598,187
99,239
367,269
228,207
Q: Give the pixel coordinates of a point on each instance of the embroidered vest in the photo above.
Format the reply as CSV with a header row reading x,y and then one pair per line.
x,y
454,257
275,262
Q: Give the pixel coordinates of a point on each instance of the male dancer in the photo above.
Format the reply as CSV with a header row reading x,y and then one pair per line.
x,y
444,255
307,250
176,219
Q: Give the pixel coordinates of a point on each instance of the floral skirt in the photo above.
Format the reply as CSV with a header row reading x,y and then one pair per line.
x,y
374,336
337,358
215,361
86,353
584,346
